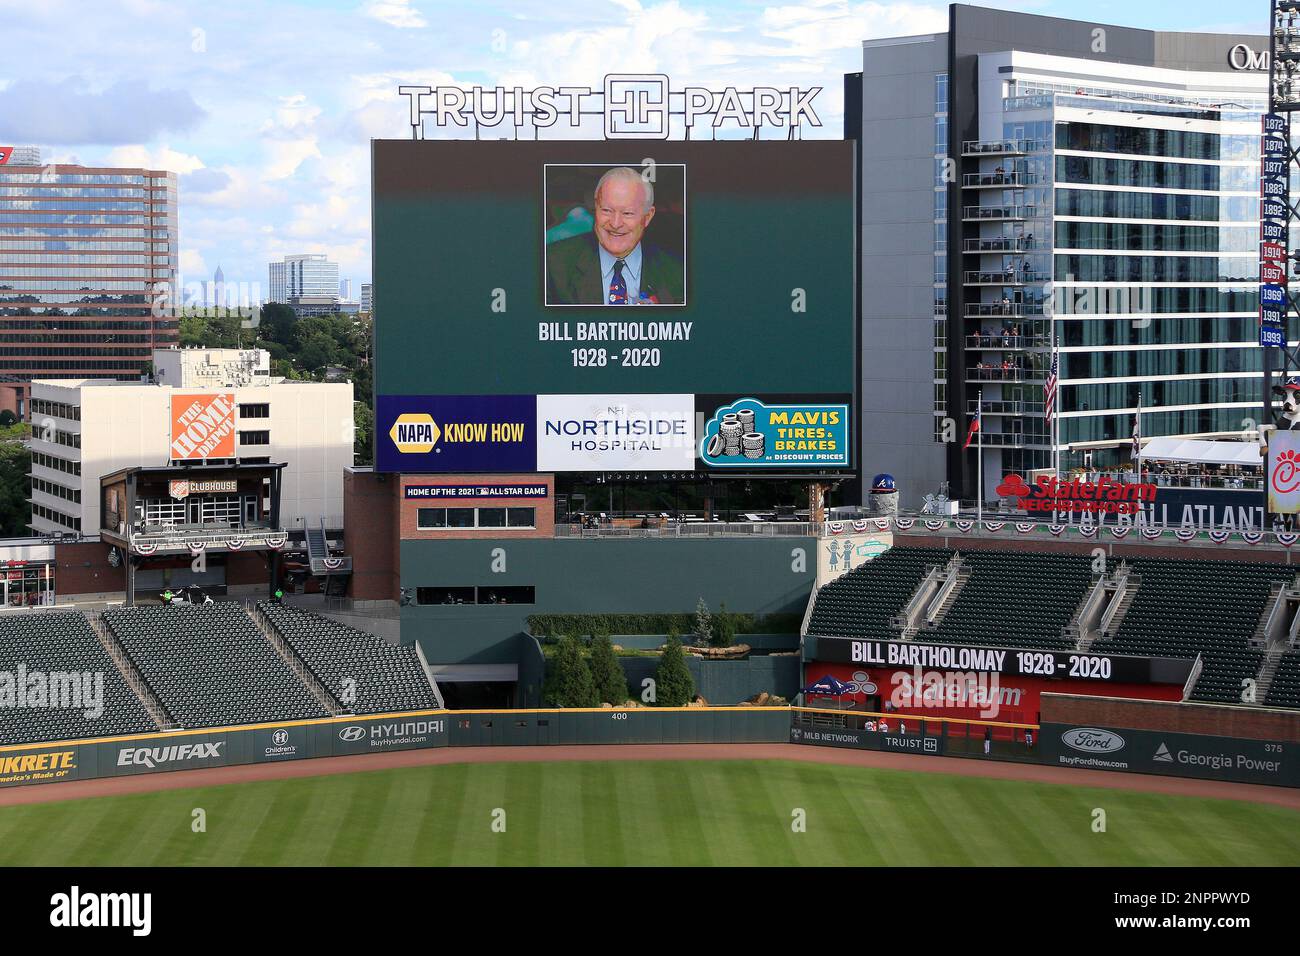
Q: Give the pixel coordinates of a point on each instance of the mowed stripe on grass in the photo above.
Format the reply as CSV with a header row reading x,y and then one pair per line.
x,y
735,812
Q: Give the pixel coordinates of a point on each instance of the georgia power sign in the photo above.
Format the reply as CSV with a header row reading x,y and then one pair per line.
x,y
203,426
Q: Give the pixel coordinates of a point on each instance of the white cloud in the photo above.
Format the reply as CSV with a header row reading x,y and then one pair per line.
x,y
160,157
396,13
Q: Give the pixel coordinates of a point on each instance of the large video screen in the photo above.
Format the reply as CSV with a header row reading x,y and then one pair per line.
x,y
614,306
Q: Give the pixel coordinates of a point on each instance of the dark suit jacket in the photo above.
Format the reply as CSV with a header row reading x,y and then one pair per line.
x,y
573,273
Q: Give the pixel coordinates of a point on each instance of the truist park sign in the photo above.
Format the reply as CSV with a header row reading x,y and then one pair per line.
x,y
631,105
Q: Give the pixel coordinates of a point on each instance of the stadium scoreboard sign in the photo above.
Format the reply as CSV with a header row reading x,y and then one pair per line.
x,y
1014,662
508,269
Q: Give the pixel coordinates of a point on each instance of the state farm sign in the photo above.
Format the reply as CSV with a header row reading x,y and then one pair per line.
x,y
1102,496
203,426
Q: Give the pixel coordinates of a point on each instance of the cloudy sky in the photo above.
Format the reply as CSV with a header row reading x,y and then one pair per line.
x,y
265,108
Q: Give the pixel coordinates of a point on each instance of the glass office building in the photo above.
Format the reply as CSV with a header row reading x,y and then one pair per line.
x,y
88,267
1094,196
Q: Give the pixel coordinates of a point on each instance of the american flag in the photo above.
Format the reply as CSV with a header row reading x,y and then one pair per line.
x,y
1049,391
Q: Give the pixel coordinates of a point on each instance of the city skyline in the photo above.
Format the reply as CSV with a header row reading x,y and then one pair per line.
x,y
271,142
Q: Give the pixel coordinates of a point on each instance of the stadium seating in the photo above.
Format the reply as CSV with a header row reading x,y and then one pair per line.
x,y
209,665
62,642
387,677
1285,690
862,602
1015,599
1183,608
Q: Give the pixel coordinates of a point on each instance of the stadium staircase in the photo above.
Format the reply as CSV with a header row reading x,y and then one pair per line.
x,y
333,569
1264,679
1284,689
296,664
955,577
139,686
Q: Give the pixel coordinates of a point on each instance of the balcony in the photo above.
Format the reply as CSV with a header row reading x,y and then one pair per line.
x,y
998,244
1003,440
1005,277
999,213
1012,310
997,342
1000,180
996,373
992,407
1003,147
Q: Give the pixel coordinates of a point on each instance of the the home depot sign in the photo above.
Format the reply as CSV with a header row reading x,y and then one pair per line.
x,y
203,426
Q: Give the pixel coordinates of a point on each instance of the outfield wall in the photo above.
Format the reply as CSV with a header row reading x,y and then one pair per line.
x,y
417,730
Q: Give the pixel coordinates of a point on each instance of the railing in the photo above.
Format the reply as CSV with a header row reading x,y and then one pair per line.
x,y
296,664
702,529
996,407
180,538
134,679
1011,180
1005,277
1003,375
998,244
1197,666
1012,342
979,310
999,212
1002,147
1166,479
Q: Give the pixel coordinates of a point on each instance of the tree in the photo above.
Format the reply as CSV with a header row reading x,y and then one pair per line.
x,y
703,623
606,671
568,683
15,489
363,421
724,631
674,686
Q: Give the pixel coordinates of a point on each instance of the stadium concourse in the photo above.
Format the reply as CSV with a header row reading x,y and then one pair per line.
x,y
136,670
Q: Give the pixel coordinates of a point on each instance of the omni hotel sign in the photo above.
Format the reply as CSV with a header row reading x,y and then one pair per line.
x,y
631,105
1242,57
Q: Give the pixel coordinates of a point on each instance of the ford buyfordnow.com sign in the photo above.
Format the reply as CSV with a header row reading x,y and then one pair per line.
x,y
1093,740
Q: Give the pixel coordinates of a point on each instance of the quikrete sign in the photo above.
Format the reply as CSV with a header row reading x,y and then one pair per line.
x,y
1010,661
1104,496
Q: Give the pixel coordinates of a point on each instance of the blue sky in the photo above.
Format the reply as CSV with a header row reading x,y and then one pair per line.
x,y
266,108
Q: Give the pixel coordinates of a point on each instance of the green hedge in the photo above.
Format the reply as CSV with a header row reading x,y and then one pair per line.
x,y
547,625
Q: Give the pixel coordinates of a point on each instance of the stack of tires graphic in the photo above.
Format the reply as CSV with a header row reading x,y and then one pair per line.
x,y
736,437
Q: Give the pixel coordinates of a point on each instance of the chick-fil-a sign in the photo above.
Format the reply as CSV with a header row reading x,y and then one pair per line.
x,y
1284,472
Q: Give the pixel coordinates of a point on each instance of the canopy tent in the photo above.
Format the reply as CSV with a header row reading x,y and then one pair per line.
x,y
1203,452
828,686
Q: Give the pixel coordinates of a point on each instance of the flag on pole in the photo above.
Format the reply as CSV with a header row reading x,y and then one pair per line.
x,y
1137,431
974,424
1049,391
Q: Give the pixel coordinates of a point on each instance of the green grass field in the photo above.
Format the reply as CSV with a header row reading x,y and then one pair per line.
x,y
687,813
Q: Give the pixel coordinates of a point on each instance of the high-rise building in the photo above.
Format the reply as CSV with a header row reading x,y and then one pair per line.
x,y
367,297
309,283
345,290
20,155
1035,187
88,266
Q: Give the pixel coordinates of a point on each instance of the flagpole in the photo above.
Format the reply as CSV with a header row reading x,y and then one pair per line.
x,y
979,457
1054,429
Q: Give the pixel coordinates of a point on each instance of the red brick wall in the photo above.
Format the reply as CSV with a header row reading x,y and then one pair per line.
x,y
84,569
544,508
1246,722
248,568
370,535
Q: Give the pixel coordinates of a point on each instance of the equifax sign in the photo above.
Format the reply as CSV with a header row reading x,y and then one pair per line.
x,y
203,426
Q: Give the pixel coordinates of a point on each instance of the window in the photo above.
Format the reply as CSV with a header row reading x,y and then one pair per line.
x,y
521,518
430,518
255,438
492,517
460,517
444,595
260,410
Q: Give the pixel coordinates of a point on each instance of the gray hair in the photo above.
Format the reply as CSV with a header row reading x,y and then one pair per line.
x,y
628,173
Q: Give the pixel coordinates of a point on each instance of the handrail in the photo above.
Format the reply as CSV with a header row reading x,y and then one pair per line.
x,y
1192,677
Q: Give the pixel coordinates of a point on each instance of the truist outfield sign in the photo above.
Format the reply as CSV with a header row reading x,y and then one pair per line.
x,y
1103,496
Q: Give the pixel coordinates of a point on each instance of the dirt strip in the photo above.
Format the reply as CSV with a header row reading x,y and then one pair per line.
x,y
968,767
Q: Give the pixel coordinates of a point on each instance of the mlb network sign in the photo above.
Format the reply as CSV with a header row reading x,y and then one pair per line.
x,y
632,105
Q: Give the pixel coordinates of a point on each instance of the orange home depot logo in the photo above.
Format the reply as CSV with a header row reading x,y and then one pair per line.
x,y
203,426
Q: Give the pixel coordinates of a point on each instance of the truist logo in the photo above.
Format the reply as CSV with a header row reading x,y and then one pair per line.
x,y
1102,496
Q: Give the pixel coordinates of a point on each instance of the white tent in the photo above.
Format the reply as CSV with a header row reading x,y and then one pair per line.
x,y
1203,452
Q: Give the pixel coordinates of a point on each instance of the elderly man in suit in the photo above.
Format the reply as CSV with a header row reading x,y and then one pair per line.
x,y
612,264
